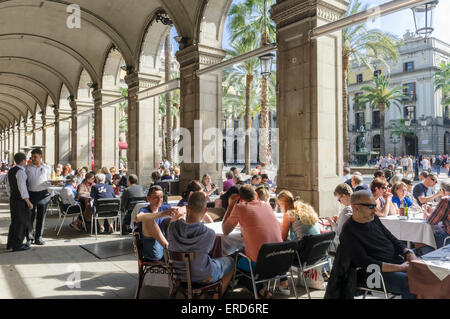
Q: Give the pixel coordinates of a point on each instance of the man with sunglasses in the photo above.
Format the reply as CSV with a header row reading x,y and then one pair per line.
x,y
423,193
368,243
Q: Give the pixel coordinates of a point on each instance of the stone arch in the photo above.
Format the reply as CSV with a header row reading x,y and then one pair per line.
x,y
211,22
112,72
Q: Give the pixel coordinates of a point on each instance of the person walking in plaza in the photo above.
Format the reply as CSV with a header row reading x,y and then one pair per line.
x,y
20,204
38,175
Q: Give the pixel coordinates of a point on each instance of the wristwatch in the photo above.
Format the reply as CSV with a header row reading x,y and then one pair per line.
x,y
408,251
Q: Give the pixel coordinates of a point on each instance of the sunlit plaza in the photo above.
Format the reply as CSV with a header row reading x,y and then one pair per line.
x,y
224,149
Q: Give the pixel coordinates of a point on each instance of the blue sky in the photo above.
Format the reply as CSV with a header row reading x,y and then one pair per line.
x,y
396,23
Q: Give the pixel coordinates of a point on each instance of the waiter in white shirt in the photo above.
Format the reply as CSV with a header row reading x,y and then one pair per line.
x,y
38,175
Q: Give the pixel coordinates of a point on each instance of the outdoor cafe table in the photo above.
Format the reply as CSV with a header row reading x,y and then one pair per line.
x,y
429,277
225,245
415,229
55,190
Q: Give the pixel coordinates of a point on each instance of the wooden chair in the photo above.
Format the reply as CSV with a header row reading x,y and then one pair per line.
x,y
144,266
178,264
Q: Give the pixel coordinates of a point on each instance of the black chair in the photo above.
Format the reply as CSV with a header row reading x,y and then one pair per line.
x,y
128,210
313,253
144,266
72,210
106,208
274,262
180,280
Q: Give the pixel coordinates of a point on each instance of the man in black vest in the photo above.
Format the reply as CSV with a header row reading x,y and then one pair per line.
x,y
20,204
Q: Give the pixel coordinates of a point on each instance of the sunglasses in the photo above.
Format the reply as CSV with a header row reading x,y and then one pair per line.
x,y
371,206
434,181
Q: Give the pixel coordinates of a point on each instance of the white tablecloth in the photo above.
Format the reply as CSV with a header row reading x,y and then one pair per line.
x,y
231,242
414,230
55,190
438,261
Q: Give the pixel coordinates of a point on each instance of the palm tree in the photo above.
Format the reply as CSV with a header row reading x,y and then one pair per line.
x,y
240,72
400,129
381,97
250,24
442,81
364,47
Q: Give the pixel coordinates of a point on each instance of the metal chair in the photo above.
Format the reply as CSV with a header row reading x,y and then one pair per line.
x,y
128,211
274,262
180,280
144,266
72,210
446,239
312,253
362,280
106,208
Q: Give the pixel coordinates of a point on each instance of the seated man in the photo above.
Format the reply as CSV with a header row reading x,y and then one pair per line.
x,y
102,190
68,195
439,218
191,235
256,180
357,183
192,187
151,224
422,192
132,191
367,242
259,226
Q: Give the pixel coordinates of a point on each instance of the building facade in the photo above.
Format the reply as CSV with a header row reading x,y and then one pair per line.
x,y
425,117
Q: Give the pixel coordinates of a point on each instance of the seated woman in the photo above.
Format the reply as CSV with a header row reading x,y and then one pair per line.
x,y
102,190
115,184
208,187
343,192
166,175
192,187
176,172
439,218
409,187
66,171
400,199
299,218
84,196
383,197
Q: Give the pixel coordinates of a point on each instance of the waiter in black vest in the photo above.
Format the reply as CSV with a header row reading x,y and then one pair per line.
x,y
19,203
38,175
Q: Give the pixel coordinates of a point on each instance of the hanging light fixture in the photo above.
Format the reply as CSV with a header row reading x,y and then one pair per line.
x,y
267,59
423,18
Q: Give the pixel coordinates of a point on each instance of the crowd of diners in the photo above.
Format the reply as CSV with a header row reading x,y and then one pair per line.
x,y
251,204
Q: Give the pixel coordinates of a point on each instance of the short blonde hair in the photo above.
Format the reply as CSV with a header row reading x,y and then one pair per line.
x,y
397,186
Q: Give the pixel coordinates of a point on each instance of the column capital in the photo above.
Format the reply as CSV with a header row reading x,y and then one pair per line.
x,y
200,55
289,11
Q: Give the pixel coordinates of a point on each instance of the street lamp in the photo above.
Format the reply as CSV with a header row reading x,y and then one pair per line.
x,y
423,18
394,139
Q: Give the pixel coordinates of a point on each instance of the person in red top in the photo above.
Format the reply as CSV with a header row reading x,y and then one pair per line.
x,y
258,223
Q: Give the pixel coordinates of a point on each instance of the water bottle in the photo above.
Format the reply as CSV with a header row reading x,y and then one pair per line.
x,y
405,211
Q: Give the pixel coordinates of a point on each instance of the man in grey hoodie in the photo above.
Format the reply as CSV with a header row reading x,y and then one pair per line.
x,y
191,235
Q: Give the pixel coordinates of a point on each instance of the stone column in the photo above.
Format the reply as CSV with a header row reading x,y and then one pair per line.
x,y
81,134
49,139
22,139
309,101
29,133
143,134
62,136
201,102
106,129
37,129
16,139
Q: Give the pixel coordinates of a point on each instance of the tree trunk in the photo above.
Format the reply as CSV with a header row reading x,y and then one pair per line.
x,y
381,107
169,143
264,144
163,135
345,65
404,144
248,86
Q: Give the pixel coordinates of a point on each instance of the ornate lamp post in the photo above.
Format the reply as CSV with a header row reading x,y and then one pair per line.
x,y
267,59
394,139
423,18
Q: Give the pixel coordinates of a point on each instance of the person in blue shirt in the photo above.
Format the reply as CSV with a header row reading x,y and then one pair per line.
x,y
399,190
102,190
152,222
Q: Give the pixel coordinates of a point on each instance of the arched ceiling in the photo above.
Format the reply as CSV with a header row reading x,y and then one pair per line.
x,y
40,53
